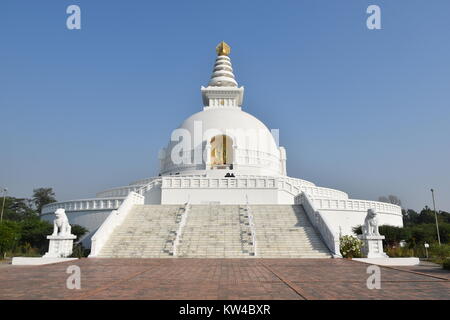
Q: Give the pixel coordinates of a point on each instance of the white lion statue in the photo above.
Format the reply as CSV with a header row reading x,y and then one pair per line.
x,y
61,224
370,227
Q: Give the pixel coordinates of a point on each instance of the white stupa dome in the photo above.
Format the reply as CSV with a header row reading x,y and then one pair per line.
x,y
222,136
255,146
246,131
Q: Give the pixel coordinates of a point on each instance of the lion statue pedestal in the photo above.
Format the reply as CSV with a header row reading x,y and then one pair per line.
x,y
61,241
373,241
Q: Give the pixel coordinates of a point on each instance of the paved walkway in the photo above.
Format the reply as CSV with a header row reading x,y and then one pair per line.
x,y
222,279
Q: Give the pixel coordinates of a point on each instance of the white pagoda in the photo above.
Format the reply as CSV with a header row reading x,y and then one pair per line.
x,y
222,167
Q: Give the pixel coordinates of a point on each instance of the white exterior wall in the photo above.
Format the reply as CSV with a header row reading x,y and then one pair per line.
x,y
153,196
285,197
222,196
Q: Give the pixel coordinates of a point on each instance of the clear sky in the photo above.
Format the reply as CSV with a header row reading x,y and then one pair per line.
x,y
363,111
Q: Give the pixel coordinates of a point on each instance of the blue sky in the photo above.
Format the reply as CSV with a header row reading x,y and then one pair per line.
x,y
363,111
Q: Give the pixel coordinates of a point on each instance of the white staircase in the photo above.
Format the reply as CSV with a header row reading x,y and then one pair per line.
x,y
284,231
147,232
216,231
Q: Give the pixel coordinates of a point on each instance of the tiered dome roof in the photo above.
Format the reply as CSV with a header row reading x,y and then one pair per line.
x,y
223,72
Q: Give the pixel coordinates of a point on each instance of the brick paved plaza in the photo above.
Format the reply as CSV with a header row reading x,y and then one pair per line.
x,y
222,279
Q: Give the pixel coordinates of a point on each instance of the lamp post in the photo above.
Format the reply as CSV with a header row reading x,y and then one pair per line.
x,y
3,205
435,216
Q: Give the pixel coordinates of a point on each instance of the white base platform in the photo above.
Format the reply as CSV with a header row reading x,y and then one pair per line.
x,y
27,261
390,261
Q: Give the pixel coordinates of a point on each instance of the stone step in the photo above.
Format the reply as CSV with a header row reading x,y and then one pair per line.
x,y
216,231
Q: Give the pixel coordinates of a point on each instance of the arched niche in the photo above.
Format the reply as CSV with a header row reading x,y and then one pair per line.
x,y
221,151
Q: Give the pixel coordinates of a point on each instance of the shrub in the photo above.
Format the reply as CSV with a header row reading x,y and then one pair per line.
x,y
446,264
444,232
393,235
26,250
423,233
9,236
399,252
79,251
357,230
350,247
79,231
34,232
440,253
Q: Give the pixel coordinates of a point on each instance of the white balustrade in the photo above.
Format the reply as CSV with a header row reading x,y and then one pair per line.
x,y
115,218
83,205
356,205
243,157
329,236
119,192
114,197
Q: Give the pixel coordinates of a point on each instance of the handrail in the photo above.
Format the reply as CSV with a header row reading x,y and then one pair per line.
x,y
115,218
243,182
118,191
84,204
320,192
124,190
184,216
251,224
321,224
355,205
96,204
148,186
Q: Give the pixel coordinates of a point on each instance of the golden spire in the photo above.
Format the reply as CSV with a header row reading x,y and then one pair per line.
x,y
223,49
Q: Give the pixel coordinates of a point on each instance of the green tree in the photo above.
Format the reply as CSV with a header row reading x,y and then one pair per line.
x,y
444,232
9,236
440,252
393,235
34,232
445,216
426,216
17,209
43,196
410,217
422,233
78,230
22,230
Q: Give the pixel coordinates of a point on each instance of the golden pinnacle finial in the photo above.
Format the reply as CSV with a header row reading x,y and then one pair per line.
x,y
223,49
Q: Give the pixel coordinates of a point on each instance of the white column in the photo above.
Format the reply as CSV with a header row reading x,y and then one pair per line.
x,y
235,154
283,160
208,155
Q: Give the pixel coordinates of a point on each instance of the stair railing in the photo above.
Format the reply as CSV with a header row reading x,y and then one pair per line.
x,y
184,216
115,218
320,223
148,186
251,224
